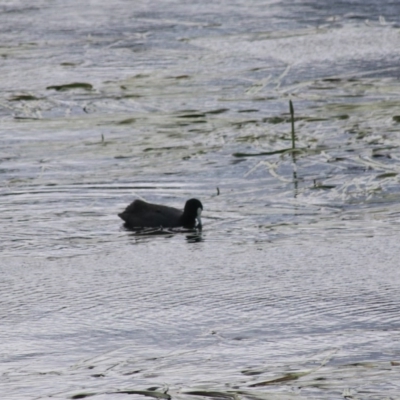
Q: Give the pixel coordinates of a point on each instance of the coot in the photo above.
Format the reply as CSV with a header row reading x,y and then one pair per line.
x,y
140,214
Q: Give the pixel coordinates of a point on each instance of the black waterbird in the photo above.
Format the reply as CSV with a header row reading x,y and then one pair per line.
x,y
140,214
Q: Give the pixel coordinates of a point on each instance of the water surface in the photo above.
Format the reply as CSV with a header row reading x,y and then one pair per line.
x,y
291,289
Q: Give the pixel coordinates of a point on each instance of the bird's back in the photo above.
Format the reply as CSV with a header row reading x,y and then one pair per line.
x,y
140,214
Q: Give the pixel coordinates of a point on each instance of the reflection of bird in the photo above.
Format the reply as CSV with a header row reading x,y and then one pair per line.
x,y
140,214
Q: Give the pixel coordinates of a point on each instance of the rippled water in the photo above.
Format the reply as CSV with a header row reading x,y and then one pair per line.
x,y
291,290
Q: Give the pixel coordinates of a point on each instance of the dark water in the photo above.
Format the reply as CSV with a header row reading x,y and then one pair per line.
x,y
291,290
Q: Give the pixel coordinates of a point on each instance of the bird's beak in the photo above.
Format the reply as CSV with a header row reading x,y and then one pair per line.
x,y
199,225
